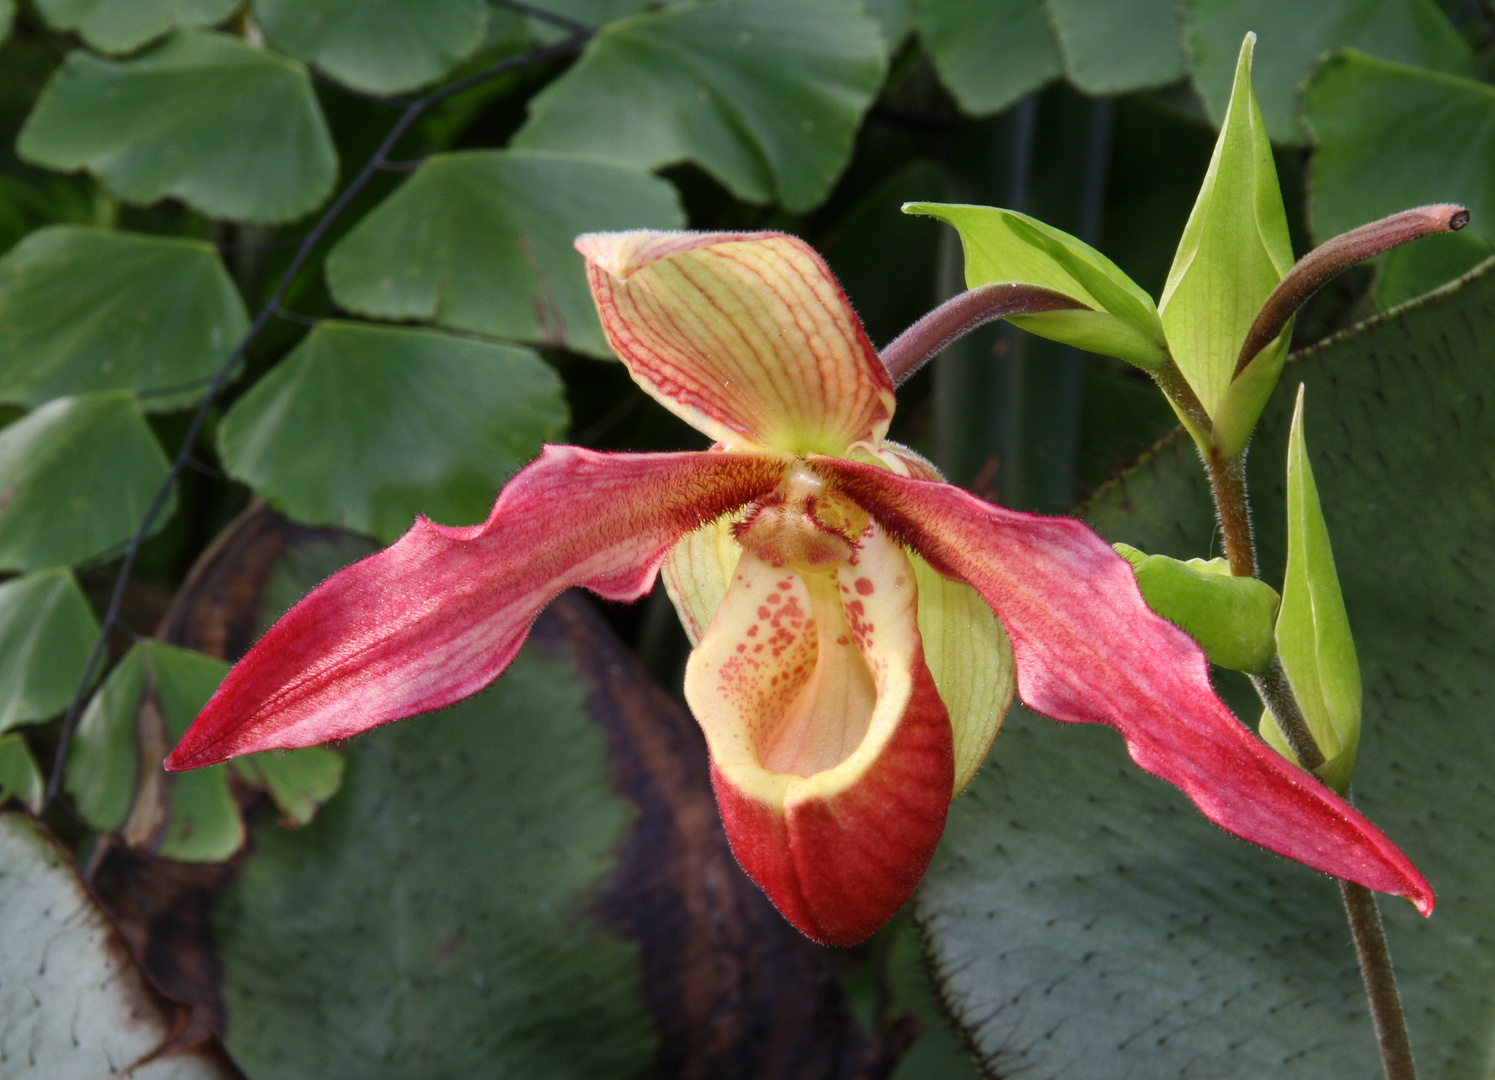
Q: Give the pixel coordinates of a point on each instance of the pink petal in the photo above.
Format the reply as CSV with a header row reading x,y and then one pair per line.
x,y
1089,651
830,747
747,336
441,613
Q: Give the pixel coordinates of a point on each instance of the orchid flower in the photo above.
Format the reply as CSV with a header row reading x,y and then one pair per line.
x,y
851,612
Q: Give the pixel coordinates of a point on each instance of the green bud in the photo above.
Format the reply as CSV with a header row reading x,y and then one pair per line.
x,y
1234,250
1005,246
1313,631
1231,617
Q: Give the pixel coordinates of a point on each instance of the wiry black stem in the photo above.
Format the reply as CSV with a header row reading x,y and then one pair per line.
x,y
412,112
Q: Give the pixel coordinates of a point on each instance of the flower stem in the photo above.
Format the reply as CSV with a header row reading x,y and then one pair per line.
x,y
1227,479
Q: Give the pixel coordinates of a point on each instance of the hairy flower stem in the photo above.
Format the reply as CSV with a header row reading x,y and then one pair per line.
x,y
1228,484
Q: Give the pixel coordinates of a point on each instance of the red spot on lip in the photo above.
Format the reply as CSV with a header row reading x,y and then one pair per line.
x,y
786,586
865,586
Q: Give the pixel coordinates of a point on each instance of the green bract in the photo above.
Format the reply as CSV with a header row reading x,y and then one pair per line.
x,y
1234,250
1313,631
1231,617
1003,245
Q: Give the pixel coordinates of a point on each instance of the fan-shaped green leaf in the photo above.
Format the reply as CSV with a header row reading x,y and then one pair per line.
x,y
990,53
89,309
76,477
432,921
47,631
384,46
117,26
73,1003
1116,46
404,422
480,240
1293,35
20,776
1391,137
765,95
7,16
1088,922
229,129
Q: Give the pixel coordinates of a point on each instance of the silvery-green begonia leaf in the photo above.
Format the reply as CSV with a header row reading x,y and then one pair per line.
x,y
381,46
480,240
1004,245
363,427
74,1005
1231,617
47,631
78,475
1313,630
989,53
20,776
92,309
1294,35
120,26
1234,250
229,129
765,95
1117,46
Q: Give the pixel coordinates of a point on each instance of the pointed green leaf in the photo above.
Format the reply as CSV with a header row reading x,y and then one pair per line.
x,y
385,47
47,631
76,477
1117,46
1293,37
1004,245
1234,250
89,309
104,758
299,781
20,777
1389,137
1231,617
1313,630
965,37
411,422
765,95
435,919
229,129
73,1004
480,241
120,26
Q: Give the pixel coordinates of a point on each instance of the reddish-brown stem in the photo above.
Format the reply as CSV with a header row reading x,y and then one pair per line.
x,y
1376,968
1331,258
959,315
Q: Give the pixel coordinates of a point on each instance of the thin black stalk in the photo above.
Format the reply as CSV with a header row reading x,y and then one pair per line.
x,y
412,112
